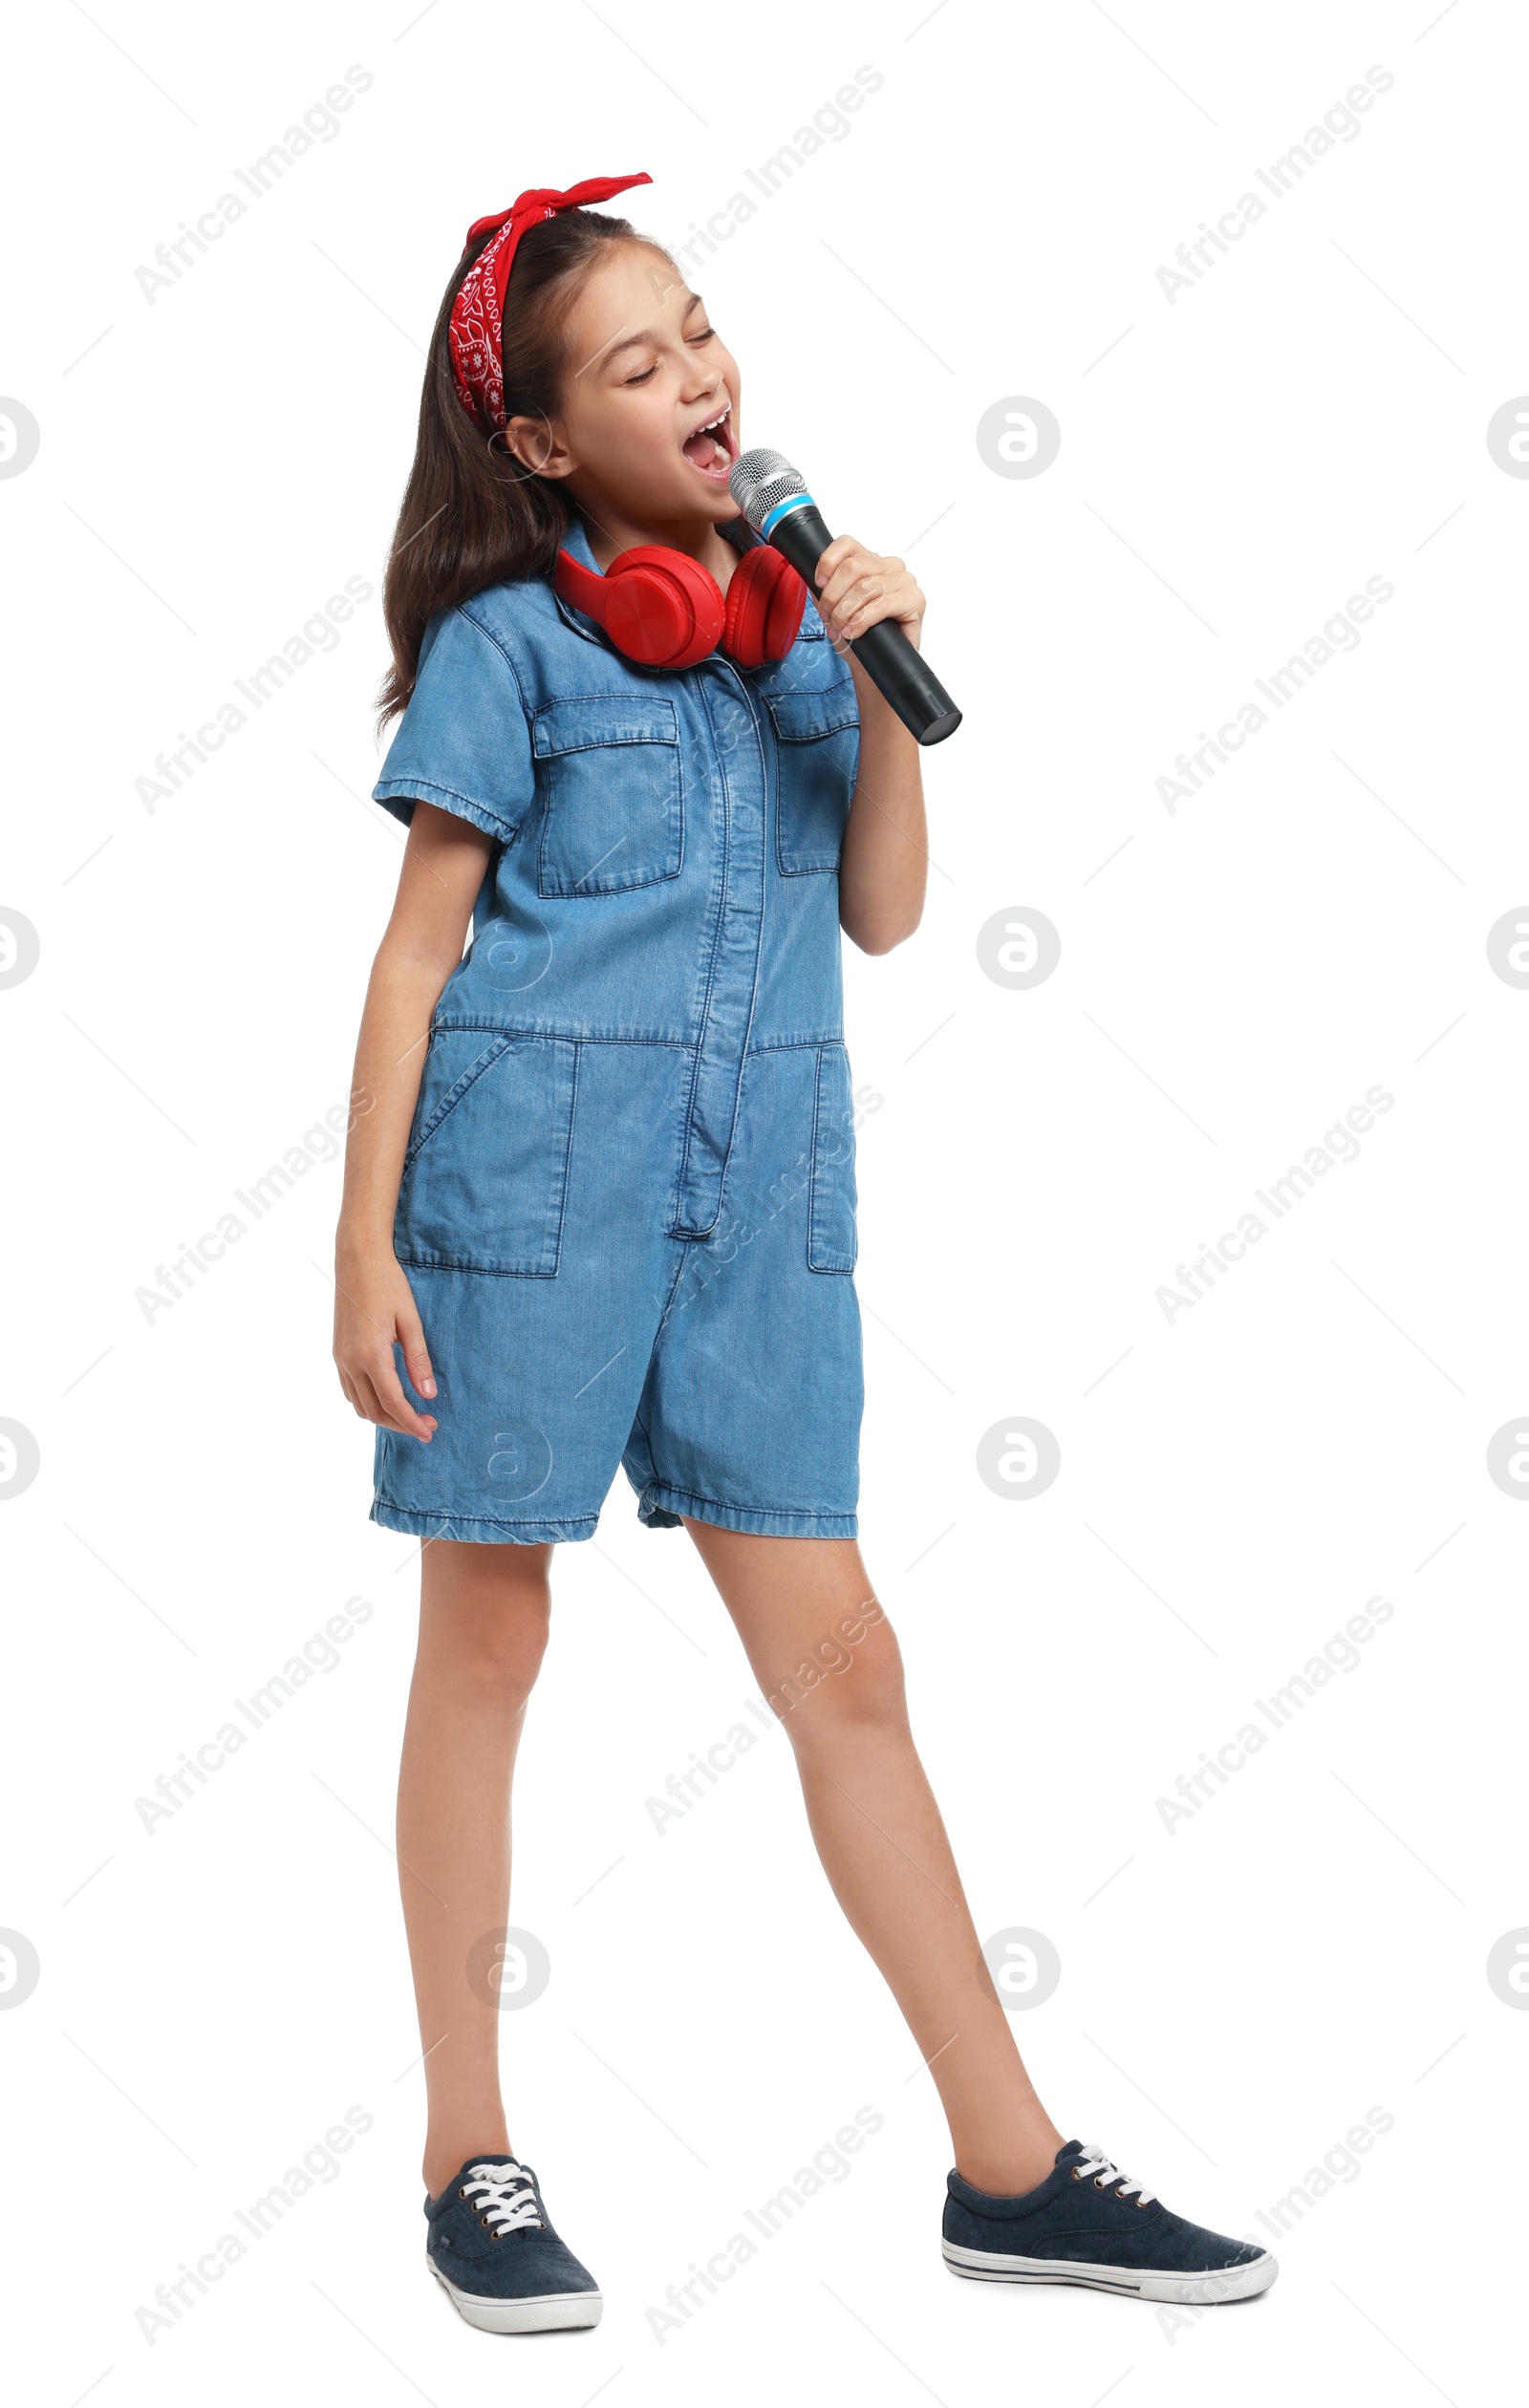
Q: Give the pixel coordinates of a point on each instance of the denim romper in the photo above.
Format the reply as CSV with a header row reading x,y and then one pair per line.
x,y
628,1207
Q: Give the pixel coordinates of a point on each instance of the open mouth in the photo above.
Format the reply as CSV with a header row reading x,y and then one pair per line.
x,y
711,448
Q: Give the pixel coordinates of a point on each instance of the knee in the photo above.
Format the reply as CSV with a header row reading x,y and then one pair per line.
x,y
501,1654
483,1627
861,1688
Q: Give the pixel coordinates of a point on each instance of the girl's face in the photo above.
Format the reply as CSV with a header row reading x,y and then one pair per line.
x,y
648,431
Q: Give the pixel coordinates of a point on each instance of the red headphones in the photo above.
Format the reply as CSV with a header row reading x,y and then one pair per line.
x,y
665,610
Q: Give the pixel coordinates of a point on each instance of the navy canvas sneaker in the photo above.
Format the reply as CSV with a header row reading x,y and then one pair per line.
x,y
1088,2224
494,2253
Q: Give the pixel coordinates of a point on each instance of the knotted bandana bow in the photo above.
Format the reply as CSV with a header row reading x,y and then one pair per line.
x,y
477,329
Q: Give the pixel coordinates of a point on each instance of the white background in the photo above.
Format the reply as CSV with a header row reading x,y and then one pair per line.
x,y
1234,1484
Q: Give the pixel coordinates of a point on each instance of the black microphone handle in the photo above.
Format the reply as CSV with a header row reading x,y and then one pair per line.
x,y
895,666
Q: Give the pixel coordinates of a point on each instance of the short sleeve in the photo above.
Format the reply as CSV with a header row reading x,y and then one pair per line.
x,y
462,744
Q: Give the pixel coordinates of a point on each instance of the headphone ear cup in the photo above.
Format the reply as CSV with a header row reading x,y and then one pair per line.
x,y
788,602
661,607
766,599
748,593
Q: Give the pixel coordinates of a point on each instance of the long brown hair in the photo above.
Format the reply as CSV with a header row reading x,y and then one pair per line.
x,y
471,514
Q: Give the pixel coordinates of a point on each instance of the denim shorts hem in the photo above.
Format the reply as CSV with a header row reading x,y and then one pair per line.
x,y
479,1531
662,1507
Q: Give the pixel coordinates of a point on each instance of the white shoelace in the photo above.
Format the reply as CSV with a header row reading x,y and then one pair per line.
x,y
509,2201
1106,2171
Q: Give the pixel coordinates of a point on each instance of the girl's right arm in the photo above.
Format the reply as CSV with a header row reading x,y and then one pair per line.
x,y
444,866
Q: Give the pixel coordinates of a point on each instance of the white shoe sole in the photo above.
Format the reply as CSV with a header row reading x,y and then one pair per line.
x,y
1134,2281
558,2312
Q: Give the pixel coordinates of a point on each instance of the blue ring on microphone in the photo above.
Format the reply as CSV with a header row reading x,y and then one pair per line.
x,y
783,509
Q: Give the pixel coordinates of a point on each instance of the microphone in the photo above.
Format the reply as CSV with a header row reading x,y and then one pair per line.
x,y
780,509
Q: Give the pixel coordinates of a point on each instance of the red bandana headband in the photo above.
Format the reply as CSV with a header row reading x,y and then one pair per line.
x,y
477,328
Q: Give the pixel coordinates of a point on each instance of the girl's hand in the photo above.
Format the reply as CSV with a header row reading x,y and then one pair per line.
x,y
858,588
373,1305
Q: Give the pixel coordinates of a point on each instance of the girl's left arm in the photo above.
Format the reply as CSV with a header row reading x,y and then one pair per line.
x,y
883,863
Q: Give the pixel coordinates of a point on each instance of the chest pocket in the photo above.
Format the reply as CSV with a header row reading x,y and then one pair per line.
x,y
609,769
817,748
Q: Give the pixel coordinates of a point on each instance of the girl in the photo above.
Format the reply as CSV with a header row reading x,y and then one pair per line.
x,y
601,1208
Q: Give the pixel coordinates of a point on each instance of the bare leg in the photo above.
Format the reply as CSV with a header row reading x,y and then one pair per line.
x,y
879,1835
483,1628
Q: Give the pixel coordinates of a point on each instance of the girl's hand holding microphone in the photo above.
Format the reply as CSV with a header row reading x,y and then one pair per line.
x,y
857,588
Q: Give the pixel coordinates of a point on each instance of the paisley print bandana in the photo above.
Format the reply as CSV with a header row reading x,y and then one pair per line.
x,y
477,328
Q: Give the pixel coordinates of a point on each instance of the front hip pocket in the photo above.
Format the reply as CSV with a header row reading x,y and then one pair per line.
x,y
611,818
831,1235
485,1176
817,751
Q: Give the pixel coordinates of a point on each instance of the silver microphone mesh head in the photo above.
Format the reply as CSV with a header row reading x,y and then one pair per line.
x,y
760,481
